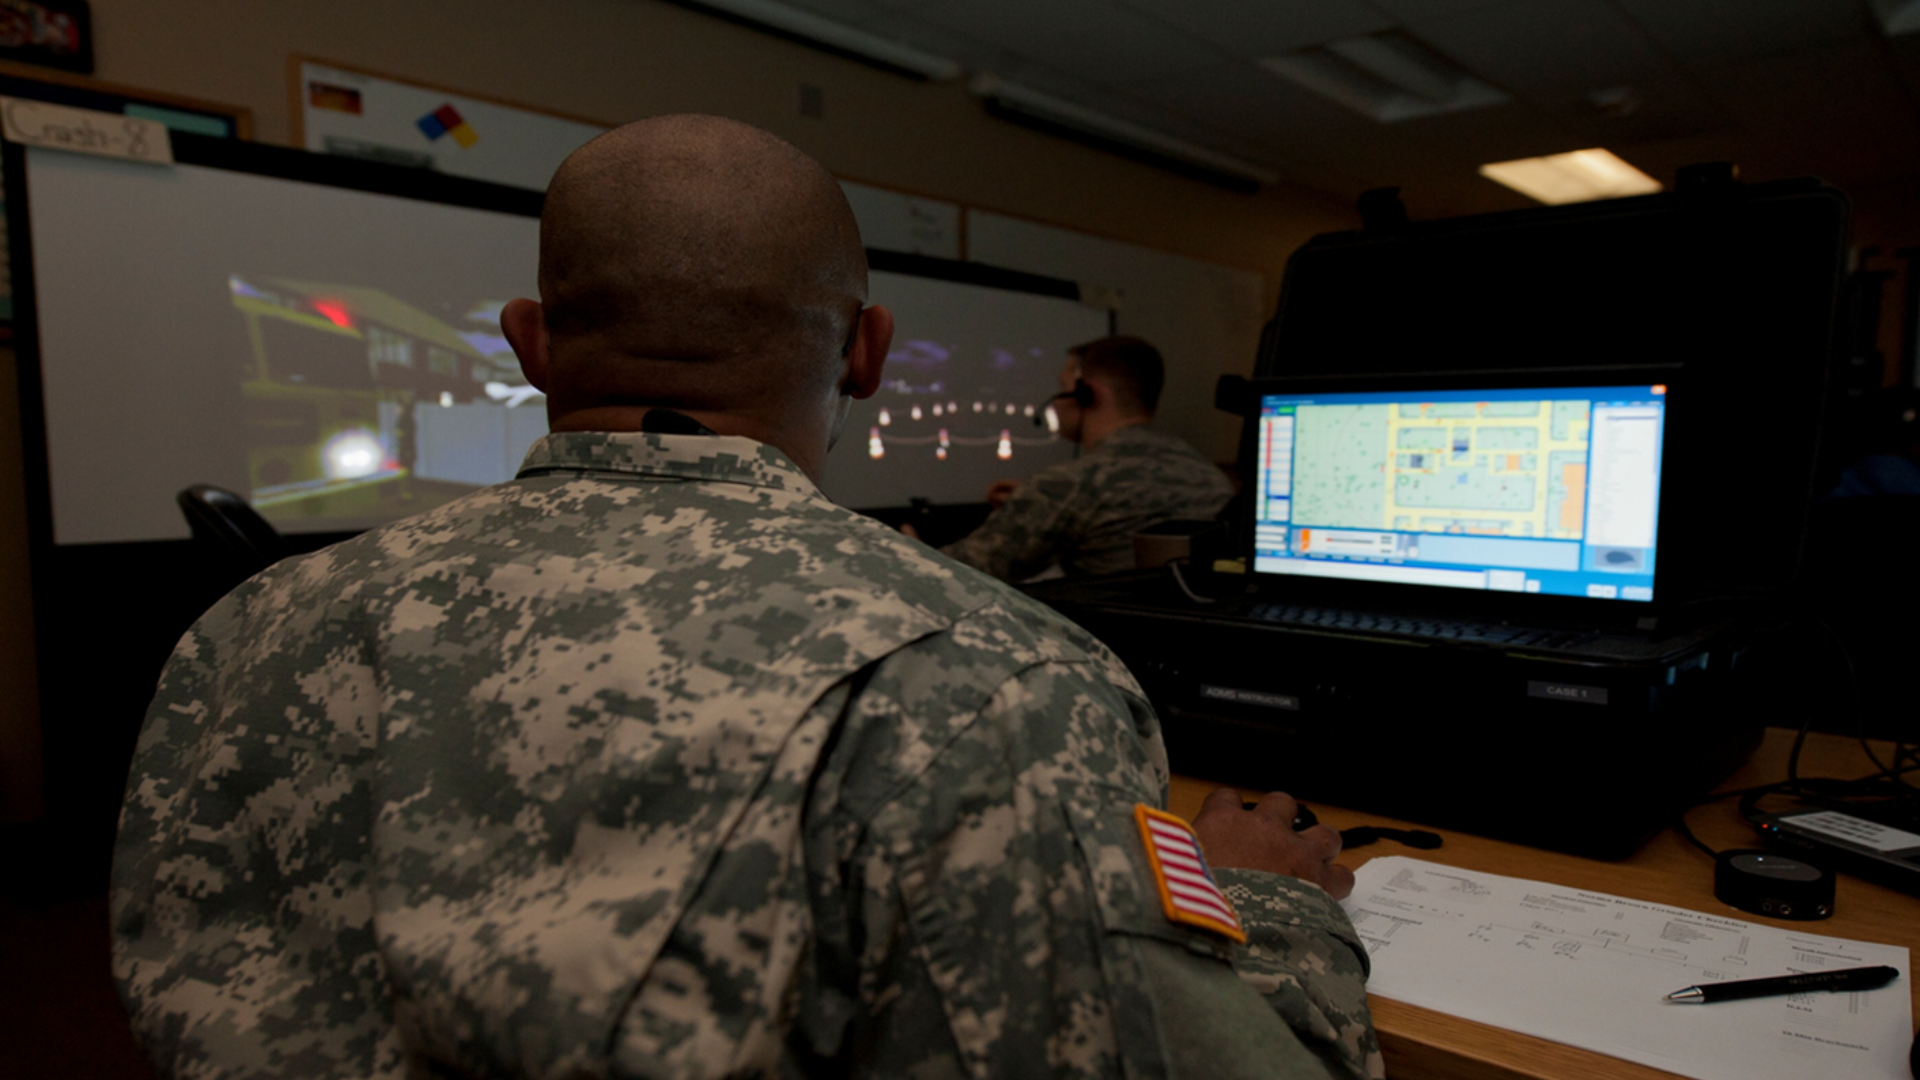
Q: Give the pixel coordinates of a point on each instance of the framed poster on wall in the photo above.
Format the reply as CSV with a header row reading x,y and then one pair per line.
x,y
353,113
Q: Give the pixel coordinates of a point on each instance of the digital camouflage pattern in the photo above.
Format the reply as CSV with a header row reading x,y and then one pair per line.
x,y
655,763
1082,514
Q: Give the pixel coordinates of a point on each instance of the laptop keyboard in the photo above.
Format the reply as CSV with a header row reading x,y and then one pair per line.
x,y
1477,633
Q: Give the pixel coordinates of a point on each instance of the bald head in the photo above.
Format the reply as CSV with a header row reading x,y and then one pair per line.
x,y
695,262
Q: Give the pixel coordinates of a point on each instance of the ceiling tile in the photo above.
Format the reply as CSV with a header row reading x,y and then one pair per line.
x,y
1091,39
1840,110
1269,110
1549,52
1254,28
1496,134
1152,112
1667,110
908,29
1717,31
1426,9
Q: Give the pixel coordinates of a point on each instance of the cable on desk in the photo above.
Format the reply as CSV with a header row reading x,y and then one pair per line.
x,y
1680,826
1894,771
1181,580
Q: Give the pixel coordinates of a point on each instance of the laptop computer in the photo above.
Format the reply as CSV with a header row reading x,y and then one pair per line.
x,y
1514,509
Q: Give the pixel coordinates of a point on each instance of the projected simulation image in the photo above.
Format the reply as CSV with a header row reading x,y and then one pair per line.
x,y
969,373
355,400
918,411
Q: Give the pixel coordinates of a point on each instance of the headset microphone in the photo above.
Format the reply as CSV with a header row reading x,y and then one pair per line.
x,y
1081,395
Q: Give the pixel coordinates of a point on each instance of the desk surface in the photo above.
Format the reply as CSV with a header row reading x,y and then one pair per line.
x,y
1421,1043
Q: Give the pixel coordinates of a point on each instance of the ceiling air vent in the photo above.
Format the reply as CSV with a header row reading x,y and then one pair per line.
x,y
1388,77
1898,16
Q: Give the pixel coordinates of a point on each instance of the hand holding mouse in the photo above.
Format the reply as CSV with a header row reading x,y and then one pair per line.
x,y
1263,838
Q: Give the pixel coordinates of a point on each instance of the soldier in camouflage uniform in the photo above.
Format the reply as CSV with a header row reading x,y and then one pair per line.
x,y
655,763
1081,515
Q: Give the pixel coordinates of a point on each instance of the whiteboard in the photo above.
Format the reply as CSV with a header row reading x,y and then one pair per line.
x,y
360,115
1203,317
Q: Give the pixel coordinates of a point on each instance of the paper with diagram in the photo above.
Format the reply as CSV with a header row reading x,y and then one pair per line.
x,y
1590,970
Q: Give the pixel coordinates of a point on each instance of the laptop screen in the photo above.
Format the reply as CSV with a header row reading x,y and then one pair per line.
x,y
1553,491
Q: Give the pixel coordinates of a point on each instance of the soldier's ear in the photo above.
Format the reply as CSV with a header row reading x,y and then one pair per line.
x,y
524,322
867,358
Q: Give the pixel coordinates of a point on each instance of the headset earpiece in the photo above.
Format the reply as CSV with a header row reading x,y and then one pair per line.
x,y
1081,395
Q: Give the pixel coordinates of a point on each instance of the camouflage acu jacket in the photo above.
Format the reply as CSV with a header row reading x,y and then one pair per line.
x,y
655,763
1082,514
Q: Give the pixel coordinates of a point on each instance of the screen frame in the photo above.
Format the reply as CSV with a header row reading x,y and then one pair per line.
x,y
1544,608
232,155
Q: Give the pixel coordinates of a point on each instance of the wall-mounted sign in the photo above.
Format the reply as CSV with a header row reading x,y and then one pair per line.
x,y
51,33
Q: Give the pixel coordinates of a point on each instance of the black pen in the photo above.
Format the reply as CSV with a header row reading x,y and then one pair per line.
x,y
1866,978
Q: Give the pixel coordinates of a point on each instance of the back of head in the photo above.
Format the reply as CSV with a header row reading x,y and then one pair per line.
x,y
695,262
1129,367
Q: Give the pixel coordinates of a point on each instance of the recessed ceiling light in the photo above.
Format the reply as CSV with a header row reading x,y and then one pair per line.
x,y
1388,77
1580,176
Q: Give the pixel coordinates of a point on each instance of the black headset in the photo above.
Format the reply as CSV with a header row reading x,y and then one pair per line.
x,y
1081,395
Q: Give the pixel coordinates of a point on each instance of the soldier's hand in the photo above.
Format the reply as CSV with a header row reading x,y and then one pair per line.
x,y
907,528
1263,839
1000,492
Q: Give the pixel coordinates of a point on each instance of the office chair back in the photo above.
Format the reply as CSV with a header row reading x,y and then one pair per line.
x,y
231,530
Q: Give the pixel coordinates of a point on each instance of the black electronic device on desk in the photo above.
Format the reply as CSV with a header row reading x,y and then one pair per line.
x,y
1505,542
1880,843
1455,610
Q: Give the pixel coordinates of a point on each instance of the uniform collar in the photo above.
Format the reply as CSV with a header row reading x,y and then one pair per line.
x,y
727,459
1120,438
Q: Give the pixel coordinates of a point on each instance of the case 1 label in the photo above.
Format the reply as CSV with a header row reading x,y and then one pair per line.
x,y
1586,695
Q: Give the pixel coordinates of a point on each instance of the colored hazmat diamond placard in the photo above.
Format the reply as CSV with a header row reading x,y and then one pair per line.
x,y
446,120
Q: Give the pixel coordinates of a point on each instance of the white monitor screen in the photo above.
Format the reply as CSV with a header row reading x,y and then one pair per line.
x,y
1553,491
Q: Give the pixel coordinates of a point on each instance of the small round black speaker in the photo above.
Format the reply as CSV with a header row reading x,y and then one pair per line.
x,y
1777,886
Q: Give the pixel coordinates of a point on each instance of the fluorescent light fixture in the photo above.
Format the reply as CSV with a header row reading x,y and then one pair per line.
x,y
1067,118
1898,16
835,37
1386,77
1579,176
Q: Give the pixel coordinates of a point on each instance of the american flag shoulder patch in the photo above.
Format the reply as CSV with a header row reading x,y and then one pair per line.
x,y
1187,889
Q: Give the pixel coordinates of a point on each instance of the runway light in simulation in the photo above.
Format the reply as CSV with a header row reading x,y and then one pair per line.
x,y
936,409
446,399
1053,421
1028,411
976,406
916,414
886,417
1006,444
952,408
944,442
1010,409
351,455
940,452
875,449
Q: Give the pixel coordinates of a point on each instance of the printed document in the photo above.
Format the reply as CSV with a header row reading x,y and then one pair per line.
x,y
1591,970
